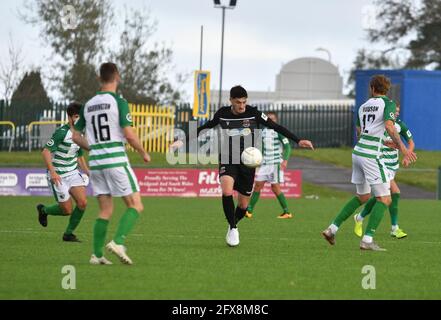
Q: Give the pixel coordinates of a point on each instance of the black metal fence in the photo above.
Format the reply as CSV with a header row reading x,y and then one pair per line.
x,y
21,115
327,124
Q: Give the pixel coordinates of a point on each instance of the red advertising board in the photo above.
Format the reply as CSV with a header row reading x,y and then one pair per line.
x,y
201,183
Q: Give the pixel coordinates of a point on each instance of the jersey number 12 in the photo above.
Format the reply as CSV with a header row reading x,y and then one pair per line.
x,y
370,118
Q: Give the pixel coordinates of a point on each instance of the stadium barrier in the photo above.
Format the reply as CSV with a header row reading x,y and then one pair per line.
x,y
327,123
154,126
167,182
7,136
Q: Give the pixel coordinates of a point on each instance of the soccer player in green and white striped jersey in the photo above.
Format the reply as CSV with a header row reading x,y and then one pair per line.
x,y
63,157
276,153
375,117
391,160
107,123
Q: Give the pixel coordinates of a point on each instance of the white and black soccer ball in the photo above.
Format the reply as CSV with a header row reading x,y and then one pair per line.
x,y
252,157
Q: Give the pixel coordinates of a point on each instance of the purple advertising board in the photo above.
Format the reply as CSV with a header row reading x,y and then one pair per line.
x,y
25,182
153,183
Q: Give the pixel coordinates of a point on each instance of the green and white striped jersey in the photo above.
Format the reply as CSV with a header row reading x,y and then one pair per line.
x,y
391,156
103,119
276,148
372,116
64,151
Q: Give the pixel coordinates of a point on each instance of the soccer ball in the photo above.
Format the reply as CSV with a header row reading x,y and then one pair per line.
x,y
252,157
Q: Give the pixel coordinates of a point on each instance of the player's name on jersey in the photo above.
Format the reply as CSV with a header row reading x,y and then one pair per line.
x,y
370,109
98,107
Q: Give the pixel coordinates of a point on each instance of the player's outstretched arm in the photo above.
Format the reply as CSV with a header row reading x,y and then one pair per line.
x,y
133,140
264,120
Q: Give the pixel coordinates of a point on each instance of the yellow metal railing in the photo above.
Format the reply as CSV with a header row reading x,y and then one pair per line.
x,y
12,136
154,126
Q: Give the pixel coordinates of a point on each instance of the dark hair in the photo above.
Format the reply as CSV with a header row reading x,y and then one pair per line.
x,y
108,71
380,83
73,109
238,92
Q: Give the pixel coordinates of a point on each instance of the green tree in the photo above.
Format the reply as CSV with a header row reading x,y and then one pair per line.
x,y
369,60
143,67
410,32
76,32
413,26
30,97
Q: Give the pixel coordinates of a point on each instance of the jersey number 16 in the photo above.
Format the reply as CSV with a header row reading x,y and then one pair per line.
x,y
101,128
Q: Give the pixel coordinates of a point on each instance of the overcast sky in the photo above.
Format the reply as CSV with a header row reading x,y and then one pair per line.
x,y
260,35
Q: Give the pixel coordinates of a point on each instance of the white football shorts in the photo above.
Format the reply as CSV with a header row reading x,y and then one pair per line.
x,y
117,182
61,192
370,175
270,173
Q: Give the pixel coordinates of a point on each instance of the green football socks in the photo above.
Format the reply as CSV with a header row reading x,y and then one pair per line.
x,y
347,211
126,225
54,210
74,220
254,198
99,237
375,218
393,209
368,207
283,202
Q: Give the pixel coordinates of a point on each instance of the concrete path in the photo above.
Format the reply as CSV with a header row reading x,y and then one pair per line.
x,y
340,178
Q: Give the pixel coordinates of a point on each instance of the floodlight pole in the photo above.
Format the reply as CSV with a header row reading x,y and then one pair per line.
x,y
222,57
202,47
232,5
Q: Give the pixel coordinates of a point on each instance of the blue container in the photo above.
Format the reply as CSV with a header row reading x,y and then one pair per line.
x,y
419,94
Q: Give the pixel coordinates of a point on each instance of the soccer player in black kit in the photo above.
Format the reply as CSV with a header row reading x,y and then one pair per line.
x,y
239,124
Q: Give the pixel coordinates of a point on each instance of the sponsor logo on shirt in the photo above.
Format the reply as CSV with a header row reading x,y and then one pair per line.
x,y
129,117
239,132
50,143
264,117
246,123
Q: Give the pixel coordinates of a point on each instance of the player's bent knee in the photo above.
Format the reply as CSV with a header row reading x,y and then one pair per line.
x,y
364,197
227,194
243,206
67,211
386,201
105,215
139,208
276,189
82,204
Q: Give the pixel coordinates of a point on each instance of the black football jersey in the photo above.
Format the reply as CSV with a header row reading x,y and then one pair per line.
x,y
240,131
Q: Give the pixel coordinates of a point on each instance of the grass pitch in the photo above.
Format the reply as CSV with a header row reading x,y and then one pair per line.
x,y
179,252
